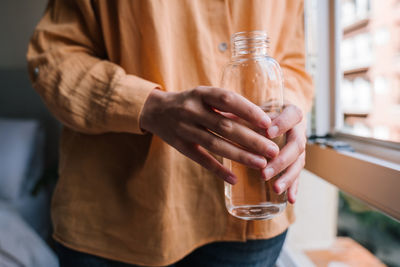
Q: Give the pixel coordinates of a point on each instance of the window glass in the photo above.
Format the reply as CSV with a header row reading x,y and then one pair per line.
x,y
373,230
370,68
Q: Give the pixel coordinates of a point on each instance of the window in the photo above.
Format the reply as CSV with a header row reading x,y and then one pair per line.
x,y
357,88
354,11
356,74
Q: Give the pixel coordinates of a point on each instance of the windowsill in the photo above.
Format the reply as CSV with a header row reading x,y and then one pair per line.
x,y
369,178
380,149
357,25
355,113
356,70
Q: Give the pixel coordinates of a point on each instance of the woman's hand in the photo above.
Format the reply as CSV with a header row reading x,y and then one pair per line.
x,y
191,121
291,158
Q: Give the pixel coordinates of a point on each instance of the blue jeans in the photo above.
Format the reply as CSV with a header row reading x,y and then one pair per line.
x,y
253,253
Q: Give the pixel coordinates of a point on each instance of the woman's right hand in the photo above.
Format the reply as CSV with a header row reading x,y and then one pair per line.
x,y
191,121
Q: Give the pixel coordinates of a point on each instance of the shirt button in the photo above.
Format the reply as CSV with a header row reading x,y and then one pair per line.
x,y
222,47
36,71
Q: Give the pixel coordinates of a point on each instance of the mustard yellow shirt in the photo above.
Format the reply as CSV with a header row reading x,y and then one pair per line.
x,y
123,194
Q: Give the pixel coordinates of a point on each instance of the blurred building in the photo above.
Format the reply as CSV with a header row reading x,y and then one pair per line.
x,y
370,62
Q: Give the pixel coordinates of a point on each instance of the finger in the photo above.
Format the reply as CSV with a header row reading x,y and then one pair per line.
x,y
239,134
290,116
298,132
288,155
229,115
290,175
221,147
202,157
245,123
236,104
292,192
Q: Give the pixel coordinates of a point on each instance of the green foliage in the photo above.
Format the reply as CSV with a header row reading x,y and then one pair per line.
x,y
368,217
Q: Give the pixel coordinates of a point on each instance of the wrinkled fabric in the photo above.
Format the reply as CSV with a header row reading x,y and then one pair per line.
x,y
123,194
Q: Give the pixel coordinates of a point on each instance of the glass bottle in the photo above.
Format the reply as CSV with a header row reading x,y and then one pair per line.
x,y
258,77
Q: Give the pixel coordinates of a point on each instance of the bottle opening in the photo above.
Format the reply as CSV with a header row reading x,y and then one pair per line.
x,y
249,44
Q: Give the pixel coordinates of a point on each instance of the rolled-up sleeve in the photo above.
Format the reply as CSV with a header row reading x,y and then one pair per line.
x,y
68,67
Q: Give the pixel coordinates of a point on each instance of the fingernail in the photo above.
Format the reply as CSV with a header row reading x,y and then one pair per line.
x,y
268,173
279,187
272,131
260,162
273,150
265,121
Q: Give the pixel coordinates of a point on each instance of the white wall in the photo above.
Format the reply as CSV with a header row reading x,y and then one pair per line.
x,y
316,214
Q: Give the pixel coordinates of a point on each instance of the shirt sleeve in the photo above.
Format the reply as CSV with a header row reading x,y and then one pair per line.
x,y
68,67
298,83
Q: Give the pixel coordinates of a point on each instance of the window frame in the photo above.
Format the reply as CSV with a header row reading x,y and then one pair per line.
x,y
373,158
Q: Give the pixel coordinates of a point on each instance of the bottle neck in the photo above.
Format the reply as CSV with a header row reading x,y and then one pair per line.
x,y
251,44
